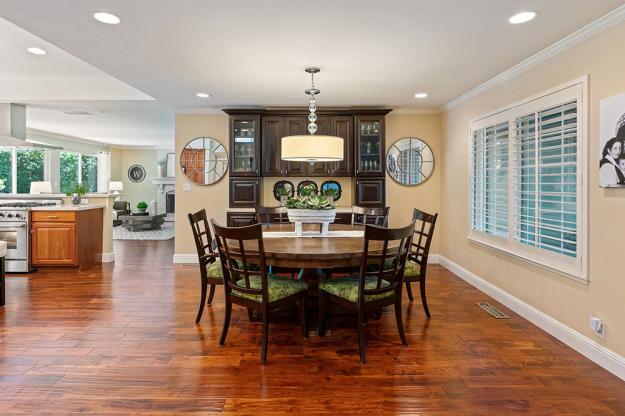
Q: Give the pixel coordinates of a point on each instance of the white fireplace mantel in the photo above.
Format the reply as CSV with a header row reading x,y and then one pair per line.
x,y
162,183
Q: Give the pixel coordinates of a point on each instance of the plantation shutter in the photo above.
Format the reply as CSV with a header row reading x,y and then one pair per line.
x,y
489,180
545,179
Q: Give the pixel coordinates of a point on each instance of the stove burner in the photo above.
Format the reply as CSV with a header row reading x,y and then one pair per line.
x,y
26,204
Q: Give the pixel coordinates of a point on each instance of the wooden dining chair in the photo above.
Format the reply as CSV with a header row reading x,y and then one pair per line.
x,y
372,288
271,215
252,287
372,216
416,266
210,267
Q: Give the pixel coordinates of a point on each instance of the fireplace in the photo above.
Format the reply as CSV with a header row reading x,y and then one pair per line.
x,y
170,202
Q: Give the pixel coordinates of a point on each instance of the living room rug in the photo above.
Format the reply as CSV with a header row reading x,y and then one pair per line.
x,y
165,233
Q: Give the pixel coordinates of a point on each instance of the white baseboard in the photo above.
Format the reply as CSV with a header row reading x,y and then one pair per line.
x,y
192,259
108,257
597,353
185,259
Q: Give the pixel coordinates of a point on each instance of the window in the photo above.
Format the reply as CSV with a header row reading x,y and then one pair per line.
x,y
527,183
30,165
6,170
78,169
89,172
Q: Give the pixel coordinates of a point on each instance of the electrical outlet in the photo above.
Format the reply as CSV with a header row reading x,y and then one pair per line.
x,y
597,325
186,187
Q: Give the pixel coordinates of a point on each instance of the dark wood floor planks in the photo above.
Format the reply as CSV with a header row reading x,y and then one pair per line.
x,y
121,339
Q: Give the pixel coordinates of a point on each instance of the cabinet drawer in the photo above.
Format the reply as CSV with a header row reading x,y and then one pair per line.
x,y
53,216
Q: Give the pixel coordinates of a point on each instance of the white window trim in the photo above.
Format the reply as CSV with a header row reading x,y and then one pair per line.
x,y
80,155
574,268
46,164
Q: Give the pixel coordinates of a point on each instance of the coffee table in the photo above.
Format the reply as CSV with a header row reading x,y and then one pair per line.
x,y
142,222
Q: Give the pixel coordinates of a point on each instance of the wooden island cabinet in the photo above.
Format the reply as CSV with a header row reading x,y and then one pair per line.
x,y
67,237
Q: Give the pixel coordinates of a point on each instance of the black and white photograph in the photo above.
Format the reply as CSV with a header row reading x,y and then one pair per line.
x,y
612,142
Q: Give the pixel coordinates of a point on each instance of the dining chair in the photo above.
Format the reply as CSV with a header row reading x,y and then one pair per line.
x,y
210,266
372,288
372,216
416,266
271,215
252,287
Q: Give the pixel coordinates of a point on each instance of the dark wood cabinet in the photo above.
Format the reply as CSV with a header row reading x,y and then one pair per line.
x,y
370,192
369,145
245,145
294,126
241,219
255,149
273,131
244,192
343,218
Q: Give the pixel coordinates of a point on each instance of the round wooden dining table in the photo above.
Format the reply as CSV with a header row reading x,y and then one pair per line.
x,y
313,252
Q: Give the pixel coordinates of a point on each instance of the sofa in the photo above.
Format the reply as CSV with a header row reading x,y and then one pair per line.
x,y
120,208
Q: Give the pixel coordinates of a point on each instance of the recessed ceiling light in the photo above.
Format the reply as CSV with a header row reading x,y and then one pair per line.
x,y
36,51
203,95
108,18
522,17
421,95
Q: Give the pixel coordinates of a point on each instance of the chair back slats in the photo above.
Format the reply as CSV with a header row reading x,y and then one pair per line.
x,y
202,237
389,259
372,216
424,230
239,261
272,215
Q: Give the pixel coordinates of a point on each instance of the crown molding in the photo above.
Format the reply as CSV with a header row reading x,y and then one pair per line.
x,y
594,28
418,111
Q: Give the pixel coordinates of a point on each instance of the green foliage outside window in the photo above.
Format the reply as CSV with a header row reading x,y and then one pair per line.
x,y
69,171
30,166
90,172
6,171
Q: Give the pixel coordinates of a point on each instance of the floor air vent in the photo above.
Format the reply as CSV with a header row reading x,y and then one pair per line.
x,y
492,310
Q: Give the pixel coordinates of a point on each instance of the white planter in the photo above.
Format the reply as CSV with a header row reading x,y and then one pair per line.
x,y
311,216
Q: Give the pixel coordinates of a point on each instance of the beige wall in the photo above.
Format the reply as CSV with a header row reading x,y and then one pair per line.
x,y
426,197
121,160
214,198
566,300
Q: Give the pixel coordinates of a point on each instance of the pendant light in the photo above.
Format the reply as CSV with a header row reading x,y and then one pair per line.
x,y
312,148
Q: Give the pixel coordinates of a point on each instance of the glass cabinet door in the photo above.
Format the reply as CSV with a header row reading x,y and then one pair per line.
x,y
244,152
370,148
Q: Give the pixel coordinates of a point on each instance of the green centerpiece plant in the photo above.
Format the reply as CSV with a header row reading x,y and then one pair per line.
x,y
142,206
314,202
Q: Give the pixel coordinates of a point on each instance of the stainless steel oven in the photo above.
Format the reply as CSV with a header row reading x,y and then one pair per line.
x,y
14,230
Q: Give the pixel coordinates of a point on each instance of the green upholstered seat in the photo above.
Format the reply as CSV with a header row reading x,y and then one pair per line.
x,y
347,288
279,287
214,270
412,271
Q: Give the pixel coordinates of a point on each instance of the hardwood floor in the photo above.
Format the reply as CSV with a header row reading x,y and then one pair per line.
x,y
121,339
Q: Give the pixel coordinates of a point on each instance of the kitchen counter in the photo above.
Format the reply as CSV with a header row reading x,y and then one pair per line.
x,y
69,207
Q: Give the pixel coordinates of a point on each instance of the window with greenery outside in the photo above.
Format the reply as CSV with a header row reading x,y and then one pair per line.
x,y
6,168
30,167
69,171
90,172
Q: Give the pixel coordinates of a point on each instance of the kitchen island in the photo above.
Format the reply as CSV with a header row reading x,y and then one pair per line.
x,y
67,235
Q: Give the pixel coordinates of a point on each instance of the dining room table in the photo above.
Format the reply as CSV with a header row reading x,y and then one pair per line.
x,y
317,256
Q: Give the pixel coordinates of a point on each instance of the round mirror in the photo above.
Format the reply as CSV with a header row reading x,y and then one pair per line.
x,y
410,161
204,161
331,188
283,188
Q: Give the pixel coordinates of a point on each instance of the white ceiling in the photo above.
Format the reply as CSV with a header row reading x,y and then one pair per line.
x,y
49,85
248,53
